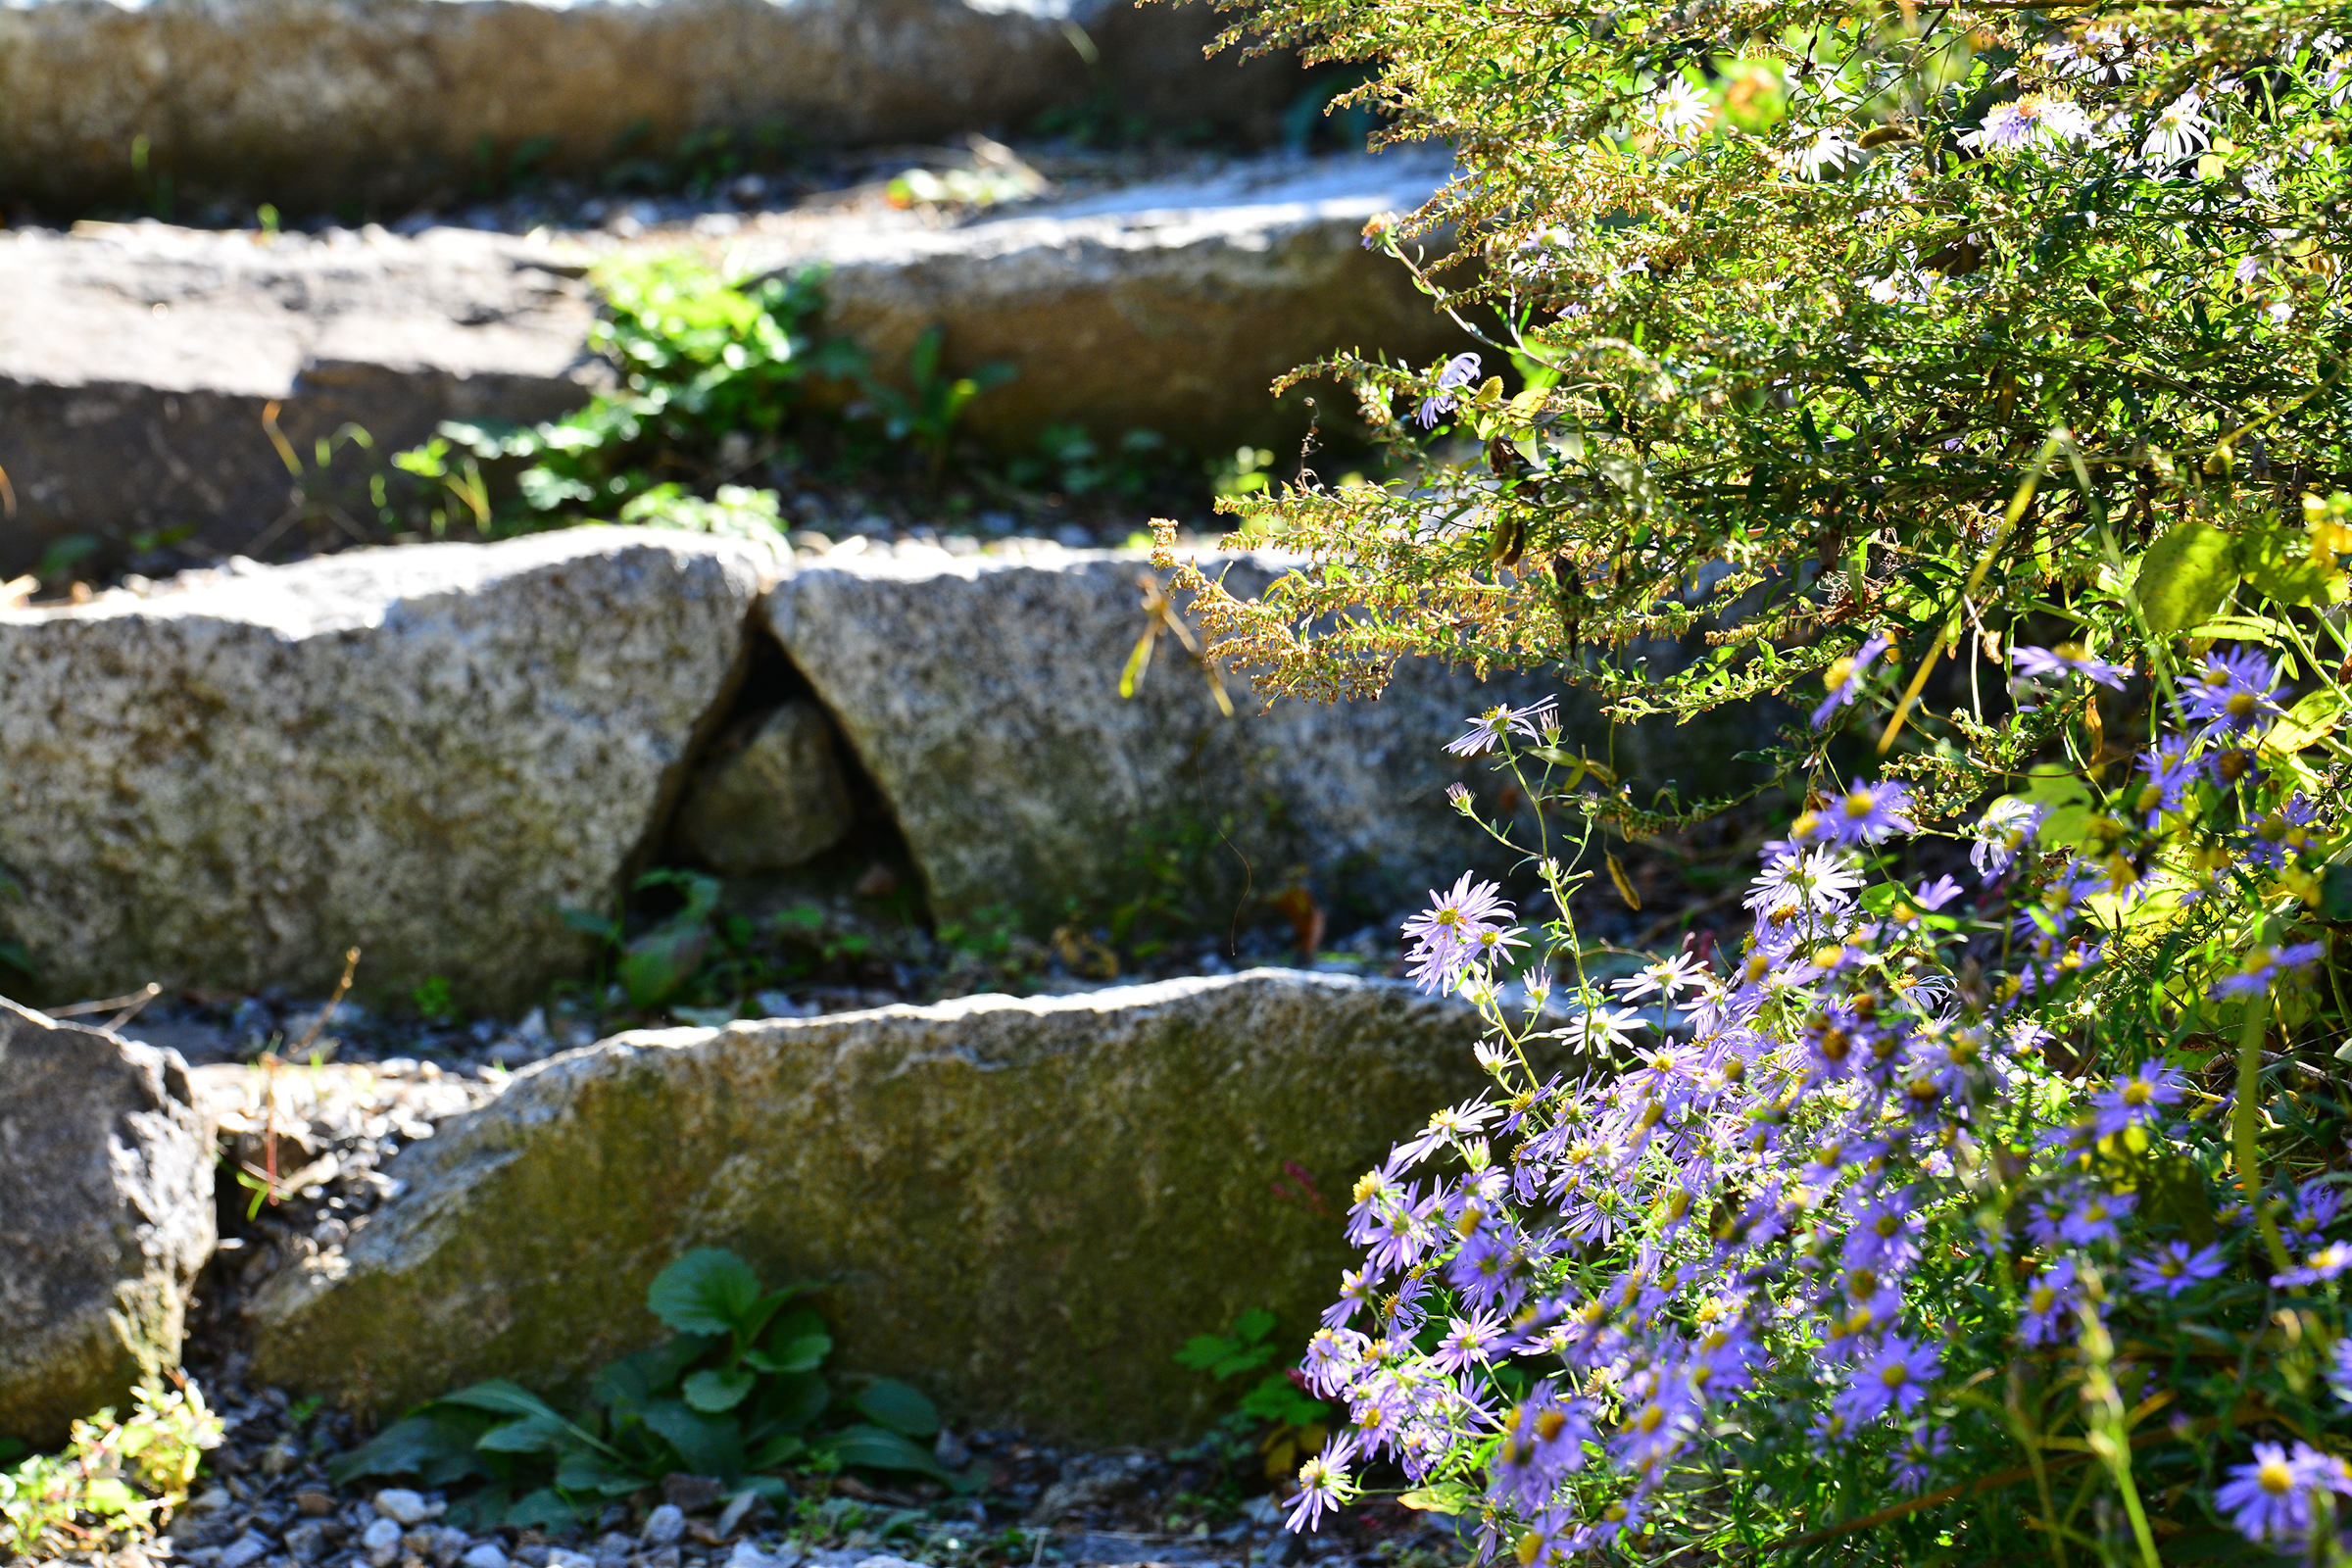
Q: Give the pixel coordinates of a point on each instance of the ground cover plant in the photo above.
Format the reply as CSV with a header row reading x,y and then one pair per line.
x,y
1982,365
735,1394
113,1480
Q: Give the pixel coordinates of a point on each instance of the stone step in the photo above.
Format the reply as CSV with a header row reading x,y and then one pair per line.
x,y
1020,1205
432,751
315,105
137,360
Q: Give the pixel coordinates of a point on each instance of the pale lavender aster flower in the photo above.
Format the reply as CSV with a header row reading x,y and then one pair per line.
x,y
2069,659
1895,1379
2232,692
1868,814
1486,731
1324,1484
2174,1268
1844,677
2049,1303
2179,132
1914,1463
1460,371
2258,968
2136,1100
2007,826
2270,1501
2096,1217
2319,1268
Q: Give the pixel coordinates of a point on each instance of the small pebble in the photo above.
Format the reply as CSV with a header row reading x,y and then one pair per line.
x,y
399,1502
380,1541
665,1525
246,1549
307,1542
485,1555
558,1558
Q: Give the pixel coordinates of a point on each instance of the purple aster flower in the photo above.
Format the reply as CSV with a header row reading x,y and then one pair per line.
x,y
1323,1484
1460,371
2319,1268
2278,833
2069,659
2007,826
1844,677
2339,1371
1544,1441
1486,731
2049,1303
2262,965
1468,1342
2270,1499
2136,1100
1915,1460
2315,1209
2174,1268
1333,1356
1895,1379
1355,1292
2170,773
2232,692
2094,1218
1868,814
1447,935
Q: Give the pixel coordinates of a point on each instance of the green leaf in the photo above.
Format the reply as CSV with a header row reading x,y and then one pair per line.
x,y
2278,561
661,960
2184,577
544,1509
1254,1325
1204,1351
707,1446
533,1434
794,1399
708,1291
502,1398
649,1374
713,1392
803,1354
2305,724
879,1449
898,1406
582,1471
438,1448
2335,894
1446,1496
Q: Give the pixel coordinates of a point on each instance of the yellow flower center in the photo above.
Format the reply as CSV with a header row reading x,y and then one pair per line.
x,y
2277,1478
1860,803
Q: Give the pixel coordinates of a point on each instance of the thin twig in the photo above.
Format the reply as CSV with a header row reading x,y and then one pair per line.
x,y
134,1000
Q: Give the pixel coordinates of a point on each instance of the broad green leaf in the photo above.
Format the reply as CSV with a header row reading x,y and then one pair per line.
x,y
2278,561
898,1406
713,1392
1204,1351
1254,1325
533,1434
581,1471
661,960
503,1397
705,1447
439,1449
2065,799
1446,1496
2184,577
776,1450
649,1374
2305,725
879,1449
794,1399
708,1291
544,1509
803,1354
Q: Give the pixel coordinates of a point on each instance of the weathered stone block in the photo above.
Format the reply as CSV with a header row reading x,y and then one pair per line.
x,y
426,751
1026,1205
106,1214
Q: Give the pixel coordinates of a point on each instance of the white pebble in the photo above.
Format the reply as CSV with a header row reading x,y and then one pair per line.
x,y
382,1542
485,1555
399,1502
665,1525
558,1558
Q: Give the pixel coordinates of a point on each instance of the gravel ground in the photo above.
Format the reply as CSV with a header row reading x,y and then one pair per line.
x,y
265,1501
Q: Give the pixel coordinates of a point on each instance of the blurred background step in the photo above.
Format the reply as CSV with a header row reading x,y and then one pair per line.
x,y
360,104
157,381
